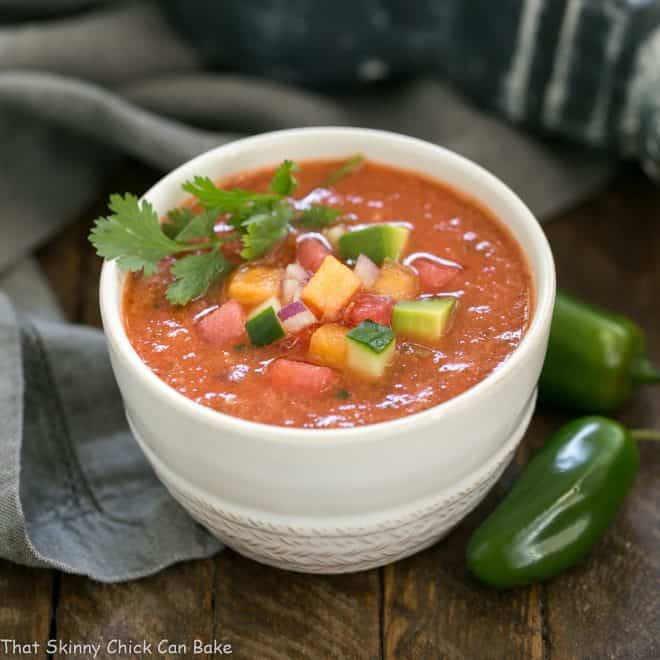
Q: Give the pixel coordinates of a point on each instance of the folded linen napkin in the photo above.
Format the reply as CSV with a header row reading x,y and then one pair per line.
x,y
77,91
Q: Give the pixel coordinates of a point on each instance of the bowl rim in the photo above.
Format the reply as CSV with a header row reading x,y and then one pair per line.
x,y
482,179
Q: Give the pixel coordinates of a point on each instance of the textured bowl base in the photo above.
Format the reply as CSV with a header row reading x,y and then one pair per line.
x,y
321,547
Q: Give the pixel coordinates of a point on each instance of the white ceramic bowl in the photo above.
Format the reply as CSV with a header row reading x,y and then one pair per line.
x,y
337,500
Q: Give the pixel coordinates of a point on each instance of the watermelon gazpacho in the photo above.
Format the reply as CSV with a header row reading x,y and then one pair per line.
x,y
299,297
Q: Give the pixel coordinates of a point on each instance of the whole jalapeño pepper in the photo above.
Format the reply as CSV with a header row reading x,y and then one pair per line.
x,y
595,359
560,506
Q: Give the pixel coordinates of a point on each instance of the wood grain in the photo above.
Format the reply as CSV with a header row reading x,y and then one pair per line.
x,y
25,603
278,615
177,605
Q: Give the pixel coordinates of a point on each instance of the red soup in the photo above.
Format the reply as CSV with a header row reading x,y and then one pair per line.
x,y
380,294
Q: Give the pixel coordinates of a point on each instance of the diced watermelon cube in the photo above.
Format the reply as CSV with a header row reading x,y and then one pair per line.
x,y
310,253
368,306
434,275
301,378
225,325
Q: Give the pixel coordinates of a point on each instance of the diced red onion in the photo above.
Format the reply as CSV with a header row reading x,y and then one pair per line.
x,y
295,316
366,270
291,290
296,272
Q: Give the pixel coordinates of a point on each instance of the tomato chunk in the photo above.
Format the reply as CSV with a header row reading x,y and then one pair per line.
x,y
433,275
301,378
372,307
310,253
225,325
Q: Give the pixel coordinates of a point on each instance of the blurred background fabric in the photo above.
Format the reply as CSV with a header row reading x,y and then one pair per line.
x,y
83,84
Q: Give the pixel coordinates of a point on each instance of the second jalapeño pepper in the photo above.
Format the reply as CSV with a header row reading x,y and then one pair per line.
x,y
595,359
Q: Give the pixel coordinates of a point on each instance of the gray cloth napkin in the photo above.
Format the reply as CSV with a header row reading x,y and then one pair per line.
x,y
75,94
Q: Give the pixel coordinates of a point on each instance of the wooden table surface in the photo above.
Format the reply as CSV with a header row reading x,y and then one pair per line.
x,y
427,606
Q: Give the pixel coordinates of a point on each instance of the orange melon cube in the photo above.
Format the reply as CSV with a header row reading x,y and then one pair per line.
x,y
396,281
331,288
327,345
251,285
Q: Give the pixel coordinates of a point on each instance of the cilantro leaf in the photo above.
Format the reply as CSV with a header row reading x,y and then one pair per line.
x,y
236,202
283,182
318,216
263,230
349,166
200,226
176,221
194,274
132,235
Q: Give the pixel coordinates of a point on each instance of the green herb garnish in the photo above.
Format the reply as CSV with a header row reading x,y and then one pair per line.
x,y
264,229
349,166
317,217
373,335
135,237
343,394
283,182
176,221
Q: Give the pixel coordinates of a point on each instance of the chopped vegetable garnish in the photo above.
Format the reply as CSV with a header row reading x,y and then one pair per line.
x,y
377,337
135,237
349,166
343,394
426,320
378,242
263,325
328,345
295,317
331,288
224,325
433,274
295,278
251,285
396,281
369,349
311,252
366,270
368,306
333,234
302,378
283,182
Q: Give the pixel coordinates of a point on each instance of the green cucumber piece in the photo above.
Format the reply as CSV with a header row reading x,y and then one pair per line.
x,y
425,320
263,326
370,348
378,242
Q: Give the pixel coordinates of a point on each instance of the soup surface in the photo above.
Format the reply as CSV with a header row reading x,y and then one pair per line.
x,y
468,256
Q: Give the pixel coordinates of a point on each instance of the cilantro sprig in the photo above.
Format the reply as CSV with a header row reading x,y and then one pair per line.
x,y
344,170
134,235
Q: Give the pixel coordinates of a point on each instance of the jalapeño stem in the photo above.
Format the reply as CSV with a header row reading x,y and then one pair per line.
x,y
645,434
644,372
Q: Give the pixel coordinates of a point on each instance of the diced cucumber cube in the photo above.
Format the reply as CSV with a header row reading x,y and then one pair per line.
x,y
425,320
263,325
378,242
370,348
